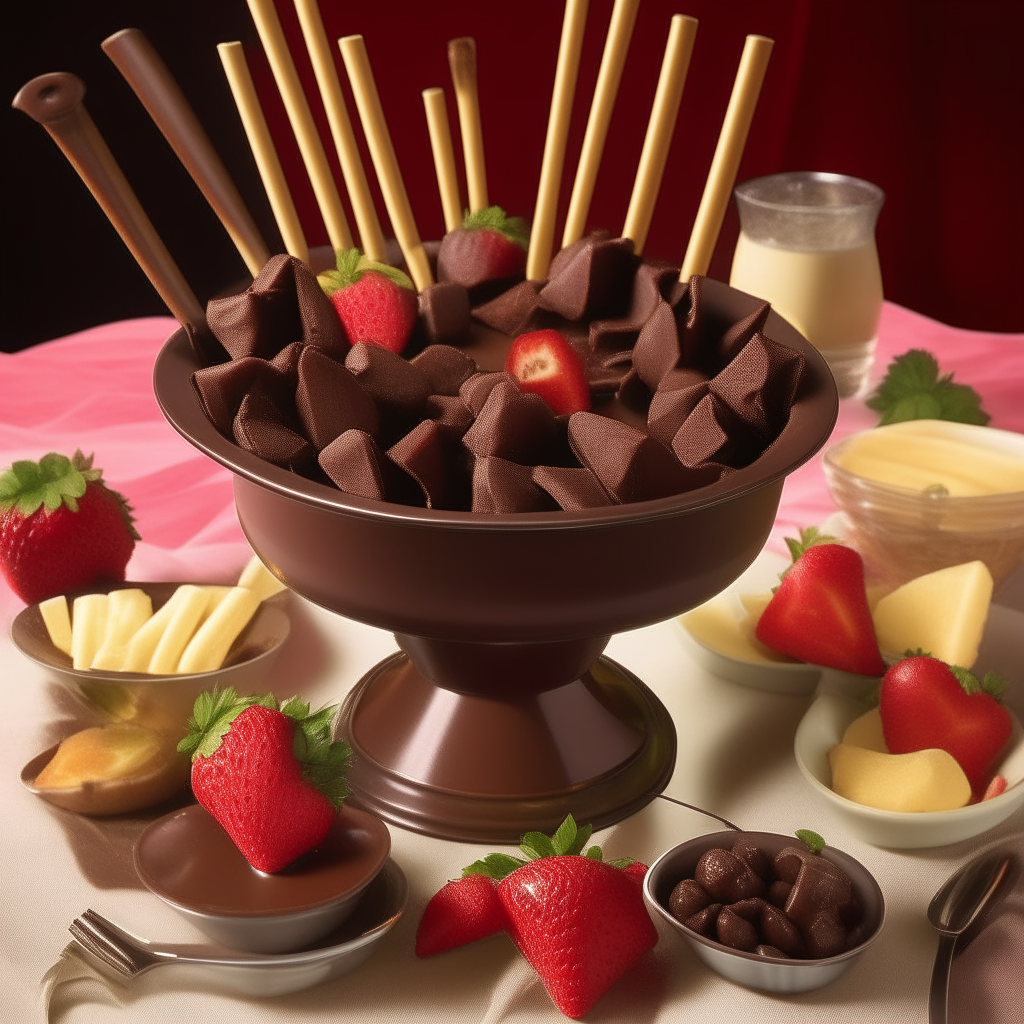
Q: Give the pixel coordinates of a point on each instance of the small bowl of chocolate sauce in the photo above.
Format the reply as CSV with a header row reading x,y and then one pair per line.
x,y
189,861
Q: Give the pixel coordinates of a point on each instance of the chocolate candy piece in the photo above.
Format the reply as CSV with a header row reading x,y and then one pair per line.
x,y
503,486
513,312
263,428
669,408
750,909
450,414
573,489
329,401
458,260
726,877
703,922
821,894
735,932
357,466
777,930
430,460
714,433
621,332
778,892
445,367
284,304
657,348
593,279
687,898
763,950
754,857
825,936
514,426
444,313
741,332
475,390
222,388
399,388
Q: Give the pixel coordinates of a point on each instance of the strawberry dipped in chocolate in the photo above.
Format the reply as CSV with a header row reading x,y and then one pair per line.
x,y
269,774
579,921
61,527
489,247
376,303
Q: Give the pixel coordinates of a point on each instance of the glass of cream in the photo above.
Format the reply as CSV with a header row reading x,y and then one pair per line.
x,y
807,245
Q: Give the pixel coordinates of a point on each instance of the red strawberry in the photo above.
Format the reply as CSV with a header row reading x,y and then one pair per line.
x,y
61,527
461,912
272,778
545,364
488,247
925,703
819,612
580,922
375,303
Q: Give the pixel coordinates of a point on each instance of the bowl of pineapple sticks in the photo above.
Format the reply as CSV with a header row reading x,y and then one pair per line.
x,y
137,655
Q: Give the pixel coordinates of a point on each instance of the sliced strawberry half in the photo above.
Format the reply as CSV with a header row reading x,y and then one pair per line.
x,y
545,364
461,912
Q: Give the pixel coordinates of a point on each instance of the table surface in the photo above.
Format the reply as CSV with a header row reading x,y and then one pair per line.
x,y
92,391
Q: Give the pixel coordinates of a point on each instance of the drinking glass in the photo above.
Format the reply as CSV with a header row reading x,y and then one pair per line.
x,y
807,245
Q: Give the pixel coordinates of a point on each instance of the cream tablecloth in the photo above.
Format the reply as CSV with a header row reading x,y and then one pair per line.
x,y
92,390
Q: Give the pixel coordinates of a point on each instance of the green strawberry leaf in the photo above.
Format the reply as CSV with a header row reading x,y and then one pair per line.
x,y
536,845
992,683
912,390
494,218
594,853
809,537
212,715
494,865
621,862
53,481
351,264
810,839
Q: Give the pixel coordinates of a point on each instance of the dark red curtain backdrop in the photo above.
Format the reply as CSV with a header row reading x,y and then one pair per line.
x,y
923,97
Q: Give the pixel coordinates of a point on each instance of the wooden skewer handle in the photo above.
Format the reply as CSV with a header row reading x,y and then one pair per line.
x,y
55,101
151,80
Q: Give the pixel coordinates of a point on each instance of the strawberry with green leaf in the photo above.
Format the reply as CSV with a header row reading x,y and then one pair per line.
x,y
913,390
490,246
61,527
376,303
270,775
579,921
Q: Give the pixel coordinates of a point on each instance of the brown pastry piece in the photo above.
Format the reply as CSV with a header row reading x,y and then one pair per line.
x,y
514,312
444,313
284,304
329,401
594,280
727,878
514,426
573,489
399,388
503,486
703,922
430,459
620,333
631,465
445,367
735,932
687,898
450,414
357,466
263,428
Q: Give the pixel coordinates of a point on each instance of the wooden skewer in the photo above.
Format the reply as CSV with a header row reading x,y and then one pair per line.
x,y
462,61
722,175
620,31
370,235
674,65
382,152
232,56
444,157
281,64
542,233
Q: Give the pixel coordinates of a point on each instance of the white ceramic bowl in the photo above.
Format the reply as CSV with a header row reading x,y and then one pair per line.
x,y
822,727
748,969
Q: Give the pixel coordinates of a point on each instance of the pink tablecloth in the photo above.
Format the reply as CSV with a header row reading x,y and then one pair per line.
x,y
93,391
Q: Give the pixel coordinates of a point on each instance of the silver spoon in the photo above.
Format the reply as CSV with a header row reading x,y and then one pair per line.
x,y
953,909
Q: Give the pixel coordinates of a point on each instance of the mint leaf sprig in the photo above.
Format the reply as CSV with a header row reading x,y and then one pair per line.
x,y
913,389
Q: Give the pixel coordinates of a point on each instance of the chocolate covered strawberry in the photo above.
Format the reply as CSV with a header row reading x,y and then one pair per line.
x,y
462,911
820,613
271,776
489,246
61,527
375,303
925,703
545,364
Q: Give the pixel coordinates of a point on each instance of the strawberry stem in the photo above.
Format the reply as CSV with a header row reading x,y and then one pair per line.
x,y
494,218
351,264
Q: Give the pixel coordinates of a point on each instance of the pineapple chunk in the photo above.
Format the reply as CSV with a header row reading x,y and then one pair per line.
x,y
866,732
942,613
260,580
182,624
101,754
58,622
88,627
208,648
716,625
144,642
127,611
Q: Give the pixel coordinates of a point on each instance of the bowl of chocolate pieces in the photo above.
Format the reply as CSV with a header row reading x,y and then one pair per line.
x,y
767,911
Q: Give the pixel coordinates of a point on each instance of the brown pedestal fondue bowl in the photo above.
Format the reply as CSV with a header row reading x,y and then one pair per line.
x,y
501,714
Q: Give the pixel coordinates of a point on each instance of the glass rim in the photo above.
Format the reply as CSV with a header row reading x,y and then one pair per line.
x,y
874,196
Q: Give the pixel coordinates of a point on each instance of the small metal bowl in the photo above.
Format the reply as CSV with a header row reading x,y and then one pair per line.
x,y
761,972
189,861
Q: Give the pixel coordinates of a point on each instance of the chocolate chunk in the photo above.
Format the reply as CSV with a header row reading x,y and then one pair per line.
x,y
284,304
778,892
329,401
477,388
513,312
703,922
727,878
657,348
357,466
733,931
514,426
741,332
821,894
714,433
669,409
397,386
777,930
788,862
426,455
458,260
503,486
760,383
754,857
573,489
825,936
687,898
763,950
221,388
621,332
263,428
749,909
450,414
595,280
445,367
444,313
633,393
